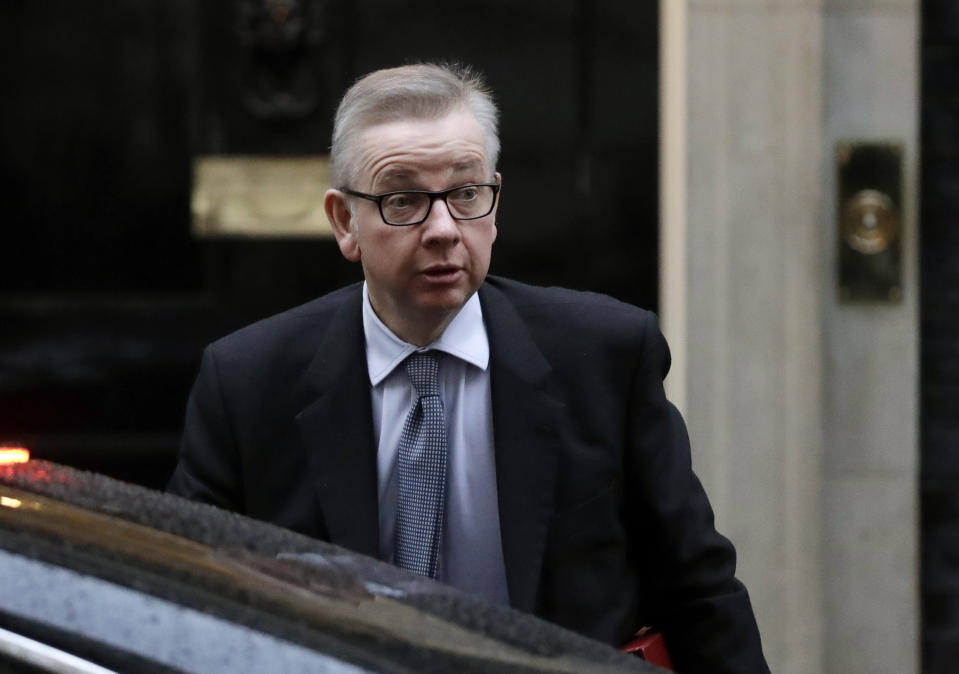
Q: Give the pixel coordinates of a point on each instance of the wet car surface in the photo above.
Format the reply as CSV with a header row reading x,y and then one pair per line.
x,y
135,580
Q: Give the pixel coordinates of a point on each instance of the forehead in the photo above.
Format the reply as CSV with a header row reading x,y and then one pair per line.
x,y
421,150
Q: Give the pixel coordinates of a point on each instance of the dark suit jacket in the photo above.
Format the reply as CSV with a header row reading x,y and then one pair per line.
x,y
604,525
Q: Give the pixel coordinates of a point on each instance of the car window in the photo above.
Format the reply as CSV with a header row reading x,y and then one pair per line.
x,y
155,629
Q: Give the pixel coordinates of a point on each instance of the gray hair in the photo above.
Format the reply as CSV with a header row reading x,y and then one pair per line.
x,y
421,91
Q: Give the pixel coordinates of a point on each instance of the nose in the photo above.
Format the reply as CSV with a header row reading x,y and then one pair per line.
x,y
439,226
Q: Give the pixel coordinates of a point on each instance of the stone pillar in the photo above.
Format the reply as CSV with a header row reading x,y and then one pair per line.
x,y
790,400
870,356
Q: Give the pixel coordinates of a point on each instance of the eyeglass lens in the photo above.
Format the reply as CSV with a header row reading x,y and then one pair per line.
x,y
471,201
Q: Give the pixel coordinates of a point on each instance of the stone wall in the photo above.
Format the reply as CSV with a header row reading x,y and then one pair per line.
x,y
803,410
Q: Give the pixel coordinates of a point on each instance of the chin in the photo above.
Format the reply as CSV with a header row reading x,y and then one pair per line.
x,y
446,301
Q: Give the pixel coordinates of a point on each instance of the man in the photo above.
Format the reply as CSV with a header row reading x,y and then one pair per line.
x,y
509,440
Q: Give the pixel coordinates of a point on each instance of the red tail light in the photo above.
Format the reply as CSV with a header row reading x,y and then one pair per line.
x,y
13,455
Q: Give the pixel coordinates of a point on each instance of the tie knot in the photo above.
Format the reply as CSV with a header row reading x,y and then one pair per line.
x,y
422,368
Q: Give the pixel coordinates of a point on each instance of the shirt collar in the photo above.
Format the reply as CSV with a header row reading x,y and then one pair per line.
x,y
465,337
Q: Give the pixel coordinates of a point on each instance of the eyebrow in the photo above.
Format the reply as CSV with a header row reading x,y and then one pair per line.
x,y
467,165
400,175
395,174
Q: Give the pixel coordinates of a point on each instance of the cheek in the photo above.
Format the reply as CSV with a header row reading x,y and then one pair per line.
x,y
482,247
387,249
373,241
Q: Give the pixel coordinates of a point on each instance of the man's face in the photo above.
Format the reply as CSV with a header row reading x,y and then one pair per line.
x,y
418,276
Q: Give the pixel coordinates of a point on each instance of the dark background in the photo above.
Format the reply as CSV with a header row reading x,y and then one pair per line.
x,y
106,300
939,330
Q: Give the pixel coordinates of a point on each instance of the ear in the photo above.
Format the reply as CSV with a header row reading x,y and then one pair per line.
x,y
341,219
498,179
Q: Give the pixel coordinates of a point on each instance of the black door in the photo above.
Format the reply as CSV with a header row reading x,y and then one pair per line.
x,y
106,298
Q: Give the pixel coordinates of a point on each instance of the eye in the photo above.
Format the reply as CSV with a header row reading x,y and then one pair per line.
x,y
399,201
468,193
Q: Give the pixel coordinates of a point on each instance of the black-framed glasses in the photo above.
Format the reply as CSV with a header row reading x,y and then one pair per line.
x,y
411,207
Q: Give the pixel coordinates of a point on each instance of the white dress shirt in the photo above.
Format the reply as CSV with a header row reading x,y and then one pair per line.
x,y
471,556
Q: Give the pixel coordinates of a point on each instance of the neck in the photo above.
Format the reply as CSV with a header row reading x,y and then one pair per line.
x,y
418,331
423,336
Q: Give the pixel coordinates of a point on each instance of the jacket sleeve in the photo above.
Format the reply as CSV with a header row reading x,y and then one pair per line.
x,y
701,608
208,469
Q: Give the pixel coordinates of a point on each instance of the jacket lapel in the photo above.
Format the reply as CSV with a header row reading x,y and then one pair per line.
x,y
336,428
526,420
335,423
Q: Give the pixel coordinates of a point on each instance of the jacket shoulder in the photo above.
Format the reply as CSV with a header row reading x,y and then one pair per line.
x,y
291,336
277,327
568,309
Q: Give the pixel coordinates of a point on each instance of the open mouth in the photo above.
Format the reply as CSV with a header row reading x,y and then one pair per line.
x,y
442,272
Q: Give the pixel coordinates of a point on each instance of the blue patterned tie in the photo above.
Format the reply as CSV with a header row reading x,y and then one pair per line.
x,y
421,471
